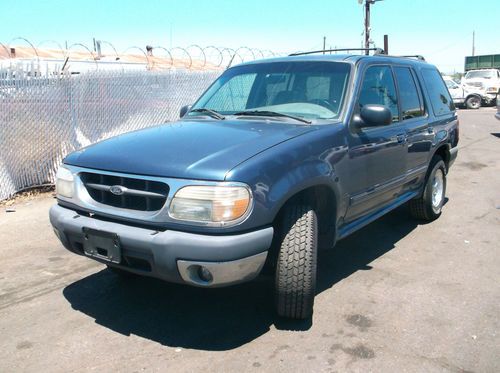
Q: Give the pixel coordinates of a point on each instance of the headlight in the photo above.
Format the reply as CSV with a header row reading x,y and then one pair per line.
x,y
217,204
64,182
492,89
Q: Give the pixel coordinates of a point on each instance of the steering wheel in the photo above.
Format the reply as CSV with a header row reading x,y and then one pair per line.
x,y
325,103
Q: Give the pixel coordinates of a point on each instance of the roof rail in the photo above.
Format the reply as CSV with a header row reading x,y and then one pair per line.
x,y
375,51
417,56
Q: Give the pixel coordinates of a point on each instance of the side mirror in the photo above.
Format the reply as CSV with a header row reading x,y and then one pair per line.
x,y
373,115
184,110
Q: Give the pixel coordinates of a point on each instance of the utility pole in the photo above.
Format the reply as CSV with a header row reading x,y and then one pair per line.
x,y
367,25
367,22
473,42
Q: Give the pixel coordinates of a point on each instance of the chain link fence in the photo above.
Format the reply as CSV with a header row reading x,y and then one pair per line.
x,y
44,118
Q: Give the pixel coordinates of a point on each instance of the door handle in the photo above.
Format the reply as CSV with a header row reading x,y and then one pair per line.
x,y
402,139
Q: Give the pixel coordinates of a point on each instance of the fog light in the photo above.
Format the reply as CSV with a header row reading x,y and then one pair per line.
x,y
205,274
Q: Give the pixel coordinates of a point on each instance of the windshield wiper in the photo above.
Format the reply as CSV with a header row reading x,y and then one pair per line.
x,y
209,112
268,113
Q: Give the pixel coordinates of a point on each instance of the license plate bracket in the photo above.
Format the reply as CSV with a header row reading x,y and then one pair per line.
x,y
102,245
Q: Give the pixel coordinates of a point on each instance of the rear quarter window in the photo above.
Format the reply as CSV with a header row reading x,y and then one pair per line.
x,y
439,96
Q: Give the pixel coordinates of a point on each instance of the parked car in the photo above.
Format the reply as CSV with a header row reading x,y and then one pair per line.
x,y
486,81
463,97
277,158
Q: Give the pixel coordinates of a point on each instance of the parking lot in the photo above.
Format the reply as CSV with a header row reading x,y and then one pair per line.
x,y
395,296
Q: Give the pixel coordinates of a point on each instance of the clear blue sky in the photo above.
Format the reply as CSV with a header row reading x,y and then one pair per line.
x,y
441,30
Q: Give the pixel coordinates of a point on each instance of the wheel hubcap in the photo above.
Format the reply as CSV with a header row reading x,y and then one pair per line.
x,y
437,189
475,102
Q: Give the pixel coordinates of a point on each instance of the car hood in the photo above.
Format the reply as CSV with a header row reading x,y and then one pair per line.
x,y
196,149
475,81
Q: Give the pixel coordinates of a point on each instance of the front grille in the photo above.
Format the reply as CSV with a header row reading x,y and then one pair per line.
x,y
475,84
130,193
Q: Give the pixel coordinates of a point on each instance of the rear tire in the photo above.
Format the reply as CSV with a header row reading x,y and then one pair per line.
x,y
295,281
428,207
473,102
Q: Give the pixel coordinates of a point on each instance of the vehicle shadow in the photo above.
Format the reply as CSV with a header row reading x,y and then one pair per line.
x,y
226,318
357,251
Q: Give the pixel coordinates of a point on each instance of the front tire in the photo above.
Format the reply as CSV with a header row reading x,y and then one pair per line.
x,y
473,102
295,282
428,207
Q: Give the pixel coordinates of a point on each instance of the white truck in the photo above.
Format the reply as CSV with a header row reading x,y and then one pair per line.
x,y
486,82
462,96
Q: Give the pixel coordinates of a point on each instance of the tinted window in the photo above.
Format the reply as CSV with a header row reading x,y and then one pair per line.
x,y
411,107
438,93
378,88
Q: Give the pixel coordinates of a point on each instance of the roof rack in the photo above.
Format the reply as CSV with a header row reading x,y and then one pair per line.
x,y
417,56
375,51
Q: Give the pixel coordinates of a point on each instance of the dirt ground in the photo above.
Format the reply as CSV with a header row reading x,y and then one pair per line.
x,y
395,296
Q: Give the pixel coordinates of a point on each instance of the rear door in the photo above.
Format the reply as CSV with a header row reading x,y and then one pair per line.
x,y
416,124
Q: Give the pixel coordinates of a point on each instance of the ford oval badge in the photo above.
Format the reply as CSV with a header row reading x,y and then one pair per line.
x,y
117,190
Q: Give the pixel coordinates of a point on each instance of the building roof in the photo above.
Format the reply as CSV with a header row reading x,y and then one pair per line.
x,y
159,61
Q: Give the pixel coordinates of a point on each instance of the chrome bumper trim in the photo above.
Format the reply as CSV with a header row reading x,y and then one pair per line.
x,y
223,273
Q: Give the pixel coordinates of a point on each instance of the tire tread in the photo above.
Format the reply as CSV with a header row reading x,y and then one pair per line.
x,y
420,207
297,259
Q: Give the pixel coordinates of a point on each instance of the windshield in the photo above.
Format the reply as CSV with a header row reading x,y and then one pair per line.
x,y
480,74
309,90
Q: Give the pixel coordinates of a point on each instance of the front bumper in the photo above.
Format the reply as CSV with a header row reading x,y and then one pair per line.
x,y
489,97
171,255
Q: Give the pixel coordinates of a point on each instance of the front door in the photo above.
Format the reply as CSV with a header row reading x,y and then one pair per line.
x,y
377,154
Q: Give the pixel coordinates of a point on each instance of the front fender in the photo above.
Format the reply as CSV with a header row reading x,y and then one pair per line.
x,y
281,172
307,175
479,96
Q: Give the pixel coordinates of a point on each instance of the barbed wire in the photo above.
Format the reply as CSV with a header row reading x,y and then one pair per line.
x,y
48,107
192,56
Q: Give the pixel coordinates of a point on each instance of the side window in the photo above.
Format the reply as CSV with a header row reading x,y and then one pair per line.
x,y
411,107
233,95
378,88
438,93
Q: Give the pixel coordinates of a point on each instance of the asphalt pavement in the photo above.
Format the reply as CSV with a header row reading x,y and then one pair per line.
x,y
396,296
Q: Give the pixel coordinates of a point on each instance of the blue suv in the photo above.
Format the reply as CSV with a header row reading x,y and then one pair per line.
x,y
276,159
